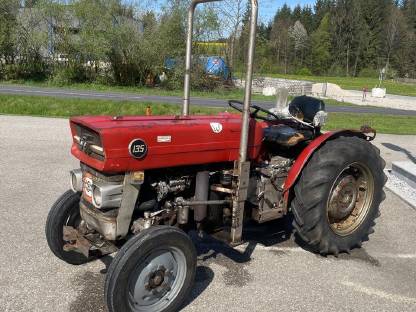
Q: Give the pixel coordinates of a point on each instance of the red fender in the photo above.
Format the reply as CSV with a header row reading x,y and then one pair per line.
x,y
304,156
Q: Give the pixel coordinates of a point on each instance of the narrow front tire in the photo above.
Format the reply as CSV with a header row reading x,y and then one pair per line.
x,y
153,272
64,212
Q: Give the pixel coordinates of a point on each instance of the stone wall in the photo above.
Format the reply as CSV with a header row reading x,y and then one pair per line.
x,y
295,87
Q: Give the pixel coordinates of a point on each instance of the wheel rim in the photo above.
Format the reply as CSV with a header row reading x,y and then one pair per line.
x,y
156,281
350,198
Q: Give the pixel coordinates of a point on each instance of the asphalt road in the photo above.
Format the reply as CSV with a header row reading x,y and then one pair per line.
x,y
271,273
87,94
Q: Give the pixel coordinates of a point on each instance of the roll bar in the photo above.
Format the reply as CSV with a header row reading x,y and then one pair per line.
x,y
249,73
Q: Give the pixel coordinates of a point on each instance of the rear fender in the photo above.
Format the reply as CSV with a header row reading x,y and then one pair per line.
x,y
306,154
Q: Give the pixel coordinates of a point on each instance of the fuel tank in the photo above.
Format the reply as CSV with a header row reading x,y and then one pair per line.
x,y
119,144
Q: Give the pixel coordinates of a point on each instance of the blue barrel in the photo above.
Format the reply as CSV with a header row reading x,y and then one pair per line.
x,y
216,66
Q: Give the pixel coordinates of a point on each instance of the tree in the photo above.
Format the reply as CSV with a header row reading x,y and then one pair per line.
x,y
392,33
307,19
172,33
322,7
299,35
374,14
279,36
321,46
231,14
8,24
347,33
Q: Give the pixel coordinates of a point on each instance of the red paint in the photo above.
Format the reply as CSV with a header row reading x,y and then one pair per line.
x,y
193,141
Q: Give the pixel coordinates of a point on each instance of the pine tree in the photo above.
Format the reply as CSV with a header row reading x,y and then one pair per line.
x,y
321,46
322,7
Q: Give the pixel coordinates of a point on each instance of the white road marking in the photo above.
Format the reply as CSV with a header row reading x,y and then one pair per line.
x,y
379,293
396,256
300,250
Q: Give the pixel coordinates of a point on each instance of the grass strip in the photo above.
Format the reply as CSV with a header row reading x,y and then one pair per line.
x,y
67,107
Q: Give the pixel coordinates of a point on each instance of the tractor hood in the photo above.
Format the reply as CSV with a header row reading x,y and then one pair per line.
x,y
128,143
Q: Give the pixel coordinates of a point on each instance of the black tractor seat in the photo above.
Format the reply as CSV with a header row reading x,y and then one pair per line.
x,y
286,136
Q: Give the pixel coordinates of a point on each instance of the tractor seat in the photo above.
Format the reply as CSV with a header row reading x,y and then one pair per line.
x,y
285,135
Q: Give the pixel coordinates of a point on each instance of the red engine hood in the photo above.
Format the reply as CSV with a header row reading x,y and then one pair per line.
x,y
171,140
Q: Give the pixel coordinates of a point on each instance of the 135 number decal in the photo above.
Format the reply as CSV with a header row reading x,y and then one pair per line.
x,y
138,148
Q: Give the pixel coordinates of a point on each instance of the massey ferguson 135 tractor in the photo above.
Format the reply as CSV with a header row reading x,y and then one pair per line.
x,y
144,182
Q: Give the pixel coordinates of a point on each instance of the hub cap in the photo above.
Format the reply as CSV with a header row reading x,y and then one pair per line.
x,y
350,199
157,280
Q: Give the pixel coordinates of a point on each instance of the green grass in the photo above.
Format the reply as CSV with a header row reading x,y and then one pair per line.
x,y
355,83
59,107
382,123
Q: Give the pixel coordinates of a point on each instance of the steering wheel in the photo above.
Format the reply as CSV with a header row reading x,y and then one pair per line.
x,y
238,105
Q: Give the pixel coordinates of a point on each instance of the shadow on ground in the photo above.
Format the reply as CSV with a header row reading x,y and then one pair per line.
x,y
213,252
400,149
90,289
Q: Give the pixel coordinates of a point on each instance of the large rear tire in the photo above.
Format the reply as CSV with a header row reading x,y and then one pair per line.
x,y
338,195
153,272
65,211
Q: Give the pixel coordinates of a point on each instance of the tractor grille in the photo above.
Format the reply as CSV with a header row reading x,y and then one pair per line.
x,y
89,142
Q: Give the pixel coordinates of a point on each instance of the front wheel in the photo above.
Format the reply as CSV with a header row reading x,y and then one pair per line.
x,y
64,212
153,272
338,195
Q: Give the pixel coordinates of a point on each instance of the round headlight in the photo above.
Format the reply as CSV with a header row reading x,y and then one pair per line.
x,y
96,197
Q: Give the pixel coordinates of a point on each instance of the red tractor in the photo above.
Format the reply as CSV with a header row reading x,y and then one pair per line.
x,y
144,182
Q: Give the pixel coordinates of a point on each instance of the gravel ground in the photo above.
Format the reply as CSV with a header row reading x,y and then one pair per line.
x,y
401,189
270,273
390,101
335,92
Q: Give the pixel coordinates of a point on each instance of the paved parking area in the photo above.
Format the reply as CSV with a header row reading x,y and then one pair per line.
x,y
271,273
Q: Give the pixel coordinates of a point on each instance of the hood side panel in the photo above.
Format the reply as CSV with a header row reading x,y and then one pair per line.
x,y
171,141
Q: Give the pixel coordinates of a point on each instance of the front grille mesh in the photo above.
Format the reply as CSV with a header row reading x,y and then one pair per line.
x,y
85,138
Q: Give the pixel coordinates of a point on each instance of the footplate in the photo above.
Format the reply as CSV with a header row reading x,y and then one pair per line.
x,y
88,244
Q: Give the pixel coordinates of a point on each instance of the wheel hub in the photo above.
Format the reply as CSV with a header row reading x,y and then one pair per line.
x,y
350,199
343,199
157,280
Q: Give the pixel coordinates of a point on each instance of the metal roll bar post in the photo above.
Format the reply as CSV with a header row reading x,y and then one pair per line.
x,y
188,58
242,166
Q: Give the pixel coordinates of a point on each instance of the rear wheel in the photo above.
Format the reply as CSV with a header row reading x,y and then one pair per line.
x,y
338,195
153,272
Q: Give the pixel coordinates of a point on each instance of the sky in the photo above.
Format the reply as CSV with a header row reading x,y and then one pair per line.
x,y
268,8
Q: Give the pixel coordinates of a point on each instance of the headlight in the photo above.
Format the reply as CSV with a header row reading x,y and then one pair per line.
x,y
76,180
320,119
106,195
97,199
